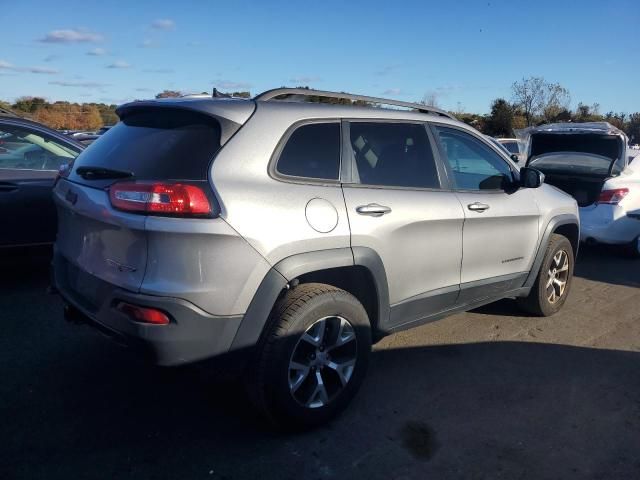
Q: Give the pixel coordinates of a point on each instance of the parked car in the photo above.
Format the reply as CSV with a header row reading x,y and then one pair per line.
x,y
85,138
30,157
504,149
289,235
590,161
103,130
514,146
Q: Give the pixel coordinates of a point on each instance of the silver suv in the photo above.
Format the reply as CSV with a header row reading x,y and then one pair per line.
x,y
290,231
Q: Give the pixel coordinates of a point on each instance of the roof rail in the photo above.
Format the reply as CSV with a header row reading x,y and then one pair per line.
x,y
5,111
308,92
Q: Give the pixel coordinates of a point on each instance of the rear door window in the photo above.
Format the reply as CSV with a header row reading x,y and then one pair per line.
x,y
156,144
393,155
312,151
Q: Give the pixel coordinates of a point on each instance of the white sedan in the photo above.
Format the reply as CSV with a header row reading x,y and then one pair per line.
x,y
593,163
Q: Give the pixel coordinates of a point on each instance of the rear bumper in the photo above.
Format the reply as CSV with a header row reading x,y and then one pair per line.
x,y
192,335
610,224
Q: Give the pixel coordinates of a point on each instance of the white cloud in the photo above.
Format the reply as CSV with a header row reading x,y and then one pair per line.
x,y
6,66
71,36
119,64
227,85
158,70
392,91
147,43
305,79
142,89
163,24
42,70
63,83
97,52
387,69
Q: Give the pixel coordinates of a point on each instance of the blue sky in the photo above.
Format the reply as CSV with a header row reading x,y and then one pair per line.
x,y
466,52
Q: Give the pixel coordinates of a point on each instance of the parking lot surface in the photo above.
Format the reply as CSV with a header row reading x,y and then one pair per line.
x,y
486,394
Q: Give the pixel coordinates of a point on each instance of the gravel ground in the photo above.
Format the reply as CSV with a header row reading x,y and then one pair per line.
x,y
487,394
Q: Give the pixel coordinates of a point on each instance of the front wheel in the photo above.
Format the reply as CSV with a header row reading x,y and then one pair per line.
x,y
313,358
551,288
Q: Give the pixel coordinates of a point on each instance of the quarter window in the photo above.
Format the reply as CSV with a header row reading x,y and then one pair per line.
x,y
393,154
474,165
312,151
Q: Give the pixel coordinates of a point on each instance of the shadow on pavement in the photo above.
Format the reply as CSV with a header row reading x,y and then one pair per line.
x,y
73,405
607,265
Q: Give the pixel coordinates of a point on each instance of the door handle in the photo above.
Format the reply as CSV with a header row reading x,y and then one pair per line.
x,y
8,187
478,207
373,210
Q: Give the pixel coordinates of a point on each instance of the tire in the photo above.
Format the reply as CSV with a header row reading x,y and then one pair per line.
x,y
280,384
542,301
633,249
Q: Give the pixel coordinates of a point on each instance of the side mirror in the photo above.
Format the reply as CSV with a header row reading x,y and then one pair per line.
x,y
531,178
515,157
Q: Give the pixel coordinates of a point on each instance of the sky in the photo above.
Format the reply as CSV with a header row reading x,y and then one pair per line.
x,y
465,52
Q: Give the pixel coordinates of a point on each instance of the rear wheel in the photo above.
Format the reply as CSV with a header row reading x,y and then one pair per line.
x,y
313,358
551,288
633,249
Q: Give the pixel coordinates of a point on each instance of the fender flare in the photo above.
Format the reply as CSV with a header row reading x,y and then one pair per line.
x,y
554,223
277,279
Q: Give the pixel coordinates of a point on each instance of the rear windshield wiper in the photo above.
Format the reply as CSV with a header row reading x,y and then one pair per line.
x,y
99,173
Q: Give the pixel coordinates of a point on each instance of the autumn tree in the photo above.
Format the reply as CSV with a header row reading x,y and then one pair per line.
x,y
169,94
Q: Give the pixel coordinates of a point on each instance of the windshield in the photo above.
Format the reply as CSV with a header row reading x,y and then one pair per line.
x,y
572,162
596,144
590,153
511,146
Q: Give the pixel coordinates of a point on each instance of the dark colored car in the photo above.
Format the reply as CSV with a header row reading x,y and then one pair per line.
x,y
30,157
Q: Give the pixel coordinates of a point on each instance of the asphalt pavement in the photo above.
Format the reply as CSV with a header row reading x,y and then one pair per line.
x,y
483,395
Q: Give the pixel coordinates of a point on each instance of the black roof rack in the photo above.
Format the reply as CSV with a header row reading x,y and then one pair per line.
x,y
4,111
308,92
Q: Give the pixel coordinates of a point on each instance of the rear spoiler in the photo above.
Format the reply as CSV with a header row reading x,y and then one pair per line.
x,y
231,114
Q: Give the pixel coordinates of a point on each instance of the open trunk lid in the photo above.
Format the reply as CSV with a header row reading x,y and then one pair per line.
x,y
150,144
593,149
576,158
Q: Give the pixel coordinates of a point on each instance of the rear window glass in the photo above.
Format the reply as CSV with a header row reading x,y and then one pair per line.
x,y
156,145
312,151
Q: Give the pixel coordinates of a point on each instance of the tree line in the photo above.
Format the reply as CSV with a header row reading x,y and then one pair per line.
x,y
534,101
64,115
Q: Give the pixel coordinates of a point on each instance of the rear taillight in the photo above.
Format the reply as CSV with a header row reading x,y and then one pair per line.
x,y
613,197
143,314
160,198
